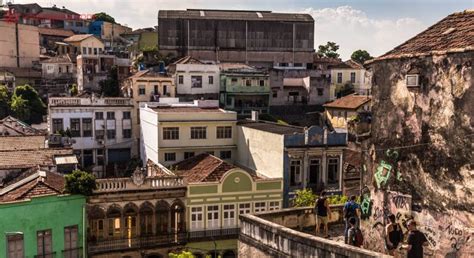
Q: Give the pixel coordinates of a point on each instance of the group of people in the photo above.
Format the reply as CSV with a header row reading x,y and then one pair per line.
x,y
353,235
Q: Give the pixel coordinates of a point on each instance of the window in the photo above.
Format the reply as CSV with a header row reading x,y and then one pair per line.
x,y
213,216
196,218
233,80
110,133
245,208
248,83
273,206
224,132
314,170
90,51
226,154
260,207
262,83
228,215
87,127
170,156
110,115
95,51
75,127
180,79
295,172
60,69
15,246
127,133
211,79
70,242
339,77
99,115
188,155
333,167
88,158
283,64
44,243
57,125
412,80
353,77
126,114
274,94
198,132
67,69
84,50
171,133
320,91
100,157
196,81
99,134
141,89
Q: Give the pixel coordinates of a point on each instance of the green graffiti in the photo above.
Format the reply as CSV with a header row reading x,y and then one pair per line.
x,y
382,174
365,204
365,168
392,154
399,176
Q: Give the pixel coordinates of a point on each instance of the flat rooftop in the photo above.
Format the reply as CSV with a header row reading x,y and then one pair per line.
x,y
171,109
272,127
206,14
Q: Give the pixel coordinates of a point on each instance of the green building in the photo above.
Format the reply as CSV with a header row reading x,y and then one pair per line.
x,y
244,88
217,192
38,220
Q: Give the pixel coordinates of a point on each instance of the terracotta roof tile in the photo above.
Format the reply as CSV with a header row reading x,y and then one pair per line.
x,y
77,38
12,126
55,32
349,64
52,183
348,102
22,142
188,60
454,33
20,159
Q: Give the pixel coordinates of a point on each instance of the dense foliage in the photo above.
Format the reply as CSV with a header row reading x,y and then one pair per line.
x,y
4,102
25,104
80,182
306,197
103,17
183,254
360,56
110,87
328,50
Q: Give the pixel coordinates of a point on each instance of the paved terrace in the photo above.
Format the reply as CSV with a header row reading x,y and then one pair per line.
x,y
290,233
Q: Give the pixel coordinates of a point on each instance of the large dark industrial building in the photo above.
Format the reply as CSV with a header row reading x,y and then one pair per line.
x,y
259,38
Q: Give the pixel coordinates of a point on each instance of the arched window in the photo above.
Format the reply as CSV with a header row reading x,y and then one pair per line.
x,y
162,217
130,215
146,219
96,216
178,216
114,223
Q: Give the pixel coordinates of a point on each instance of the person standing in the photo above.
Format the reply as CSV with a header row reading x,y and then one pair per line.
x,y
354,235
322,212
351,210
393,235
416,241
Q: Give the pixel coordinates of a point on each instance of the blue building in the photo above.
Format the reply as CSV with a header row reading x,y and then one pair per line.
x,y
95,28
304,157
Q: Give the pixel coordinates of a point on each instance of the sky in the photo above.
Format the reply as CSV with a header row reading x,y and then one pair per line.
x,y
373,25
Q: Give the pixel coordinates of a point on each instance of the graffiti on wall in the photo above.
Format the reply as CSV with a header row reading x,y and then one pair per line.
x,y
365,203
382,174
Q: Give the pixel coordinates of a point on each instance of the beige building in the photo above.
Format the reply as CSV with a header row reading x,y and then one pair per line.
x,y
341,111
82,44
174,132
19,45
349,73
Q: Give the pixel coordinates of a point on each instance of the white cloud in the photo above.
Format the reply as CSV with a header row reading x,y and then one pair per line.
x,y
352,29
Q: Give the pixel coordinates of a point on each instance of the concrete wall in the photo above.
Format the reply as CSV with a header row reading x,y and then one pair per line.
x,y
362,84
260,151
28,45
204,70
149,135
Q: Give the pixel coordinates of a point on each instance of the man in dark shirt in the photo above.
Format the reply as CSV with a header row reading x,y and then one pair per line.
x,y
323,213
416,241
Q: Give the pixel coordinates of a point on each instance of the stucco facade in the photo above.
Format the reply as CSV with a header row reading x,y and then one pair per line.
x,y
354,75
196,81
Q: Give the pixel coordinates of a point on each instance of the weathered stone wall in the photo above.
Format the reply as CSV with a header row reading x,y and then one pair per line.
x,y
419,158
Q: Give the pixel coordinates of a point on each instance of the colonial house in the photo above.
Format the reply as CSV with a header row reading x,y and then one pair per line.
x,y
217,193
340,111
49,37
174,132
303,157
59,74
349,74
81,44
244,88
195,79
139,216
101,129
44,234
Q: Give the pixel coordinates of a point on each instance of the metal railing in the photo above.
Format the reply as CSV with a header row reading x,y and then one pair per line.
x,y
46,255
72,253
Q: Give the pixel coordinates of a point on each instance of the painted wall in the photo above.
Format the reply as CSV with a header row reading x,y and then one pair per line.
x,y
42,213
204,70
149,135
28,45
260,151
361,85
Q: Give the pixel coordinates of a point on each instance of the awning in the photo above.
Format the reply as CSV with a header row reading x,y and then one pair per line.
x,y
66,160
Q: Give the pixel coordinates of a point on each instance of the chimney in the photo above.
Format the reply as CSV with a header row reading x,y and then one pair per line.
x,y
255,115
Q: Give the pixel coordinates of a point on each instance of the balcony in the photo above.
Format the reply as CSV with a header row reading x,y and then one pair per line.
x,y
48,255
220,233
72,253
125,184
66,101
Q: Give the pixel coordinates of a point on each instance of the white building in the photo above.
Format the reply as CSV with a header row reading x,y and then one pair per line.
x,y
352,74
174,132
100,127
195,79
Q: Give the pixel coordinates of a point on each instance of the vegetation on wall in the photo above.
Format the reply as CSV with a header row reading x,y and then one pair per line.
x,y
80,182
110,87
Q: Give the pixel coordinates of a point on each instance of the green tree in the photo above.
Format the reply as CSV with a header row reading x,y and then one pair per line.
x,y
110,87
80,182
183,254
304,198
28,98
4,102
103,17
73,91
360,56
328,50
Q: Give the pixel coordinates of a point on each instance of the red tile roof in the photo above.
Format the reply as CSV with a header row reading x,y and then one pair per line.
x,y
13,126
204,168
454,33
188,60
348,102
47,184
77,38
20,159
55,32
22,142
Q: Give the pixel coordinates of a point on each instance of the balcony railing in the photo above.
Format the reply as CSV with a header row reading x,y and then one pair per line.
x,y
48,255
122,184
72,253
221,233
90,101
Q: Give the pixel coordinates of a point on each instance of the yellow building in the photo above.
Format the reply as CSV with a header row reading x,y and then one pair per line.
x,y
349,73
81,44
342,110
